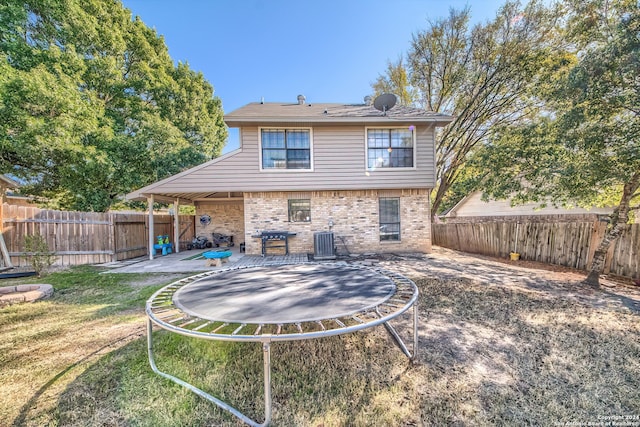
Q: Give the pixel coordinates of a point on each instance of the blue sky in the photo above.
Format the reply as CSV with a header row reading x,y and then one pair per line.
x,y
328,50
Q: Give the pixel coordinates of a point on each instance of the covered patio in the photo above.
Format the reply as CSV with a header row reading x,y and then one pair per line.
x,y
180,263
226,221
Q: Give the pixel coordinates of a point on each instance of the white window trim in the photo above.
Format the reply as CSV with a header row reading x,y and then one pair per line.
x,y
366,150
389,242
275,170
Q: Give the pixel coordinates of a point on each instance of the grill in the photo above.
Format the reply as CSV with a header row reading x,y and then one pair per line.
x,y
278,240
323,247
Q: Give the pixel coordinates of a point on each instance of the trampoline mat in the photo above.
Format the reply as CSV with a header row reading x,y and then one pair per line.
x,y
284,294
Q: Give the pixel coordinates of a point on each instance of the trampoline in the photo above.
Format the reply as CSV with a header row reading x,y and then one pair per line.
x,y
266,304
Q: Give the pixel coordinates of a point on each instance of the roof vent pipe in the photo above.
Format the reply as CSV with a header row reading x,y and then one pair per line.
x,y
367,100
301,99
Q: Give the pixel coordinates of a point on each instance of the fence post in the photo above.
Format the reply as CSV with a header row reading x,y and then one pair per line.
x,y
4,253
113,244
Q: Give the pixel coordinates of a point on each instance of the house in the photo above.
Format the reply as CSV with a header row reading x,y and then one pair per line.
x,y
8,187
6,184
473,208
364,174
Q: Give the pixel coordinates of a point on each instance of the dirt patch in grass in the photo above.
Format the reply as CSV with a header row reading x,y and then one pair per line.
x,y
550,281
499,344
514,357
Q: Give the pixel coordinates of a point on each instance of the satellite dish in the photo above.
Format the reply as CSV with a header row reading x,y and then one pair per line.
x,y
385,102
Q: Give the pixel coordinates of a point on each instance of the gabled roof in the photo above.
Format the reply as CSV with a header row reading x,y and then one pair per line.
x,y
273,112
473,205
190,197
7,182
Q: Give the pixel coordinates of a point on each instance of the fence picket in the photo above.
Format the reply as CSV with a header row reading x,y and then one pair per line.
x,y
570,244
84,237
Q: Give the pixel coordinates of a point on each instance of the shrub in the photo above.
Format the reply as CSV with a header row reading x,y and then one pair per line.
x,y
38,254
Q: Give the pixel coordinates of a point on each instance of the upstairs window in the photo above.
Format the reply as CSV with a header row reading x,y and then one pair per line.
x,y
390,148
286,148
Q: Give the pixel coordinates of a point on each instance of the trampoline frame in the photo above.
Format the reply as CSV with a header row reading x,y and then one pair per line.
x,y
162,312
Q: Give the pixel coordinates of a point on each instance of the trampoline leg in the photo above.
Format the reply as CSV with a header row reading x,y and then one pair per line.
x,y
215,400
266,353
399,340
150,345
415,331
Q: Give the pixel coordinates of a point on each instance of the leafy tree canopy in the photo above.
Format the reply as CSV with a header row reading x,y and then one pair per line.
x,y
479,74
396,81
546,102
584,145
92,106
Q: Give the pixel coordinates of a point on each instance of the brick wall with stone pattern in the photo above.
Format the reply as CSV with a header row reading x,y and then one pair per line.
x,y
355,218
226,218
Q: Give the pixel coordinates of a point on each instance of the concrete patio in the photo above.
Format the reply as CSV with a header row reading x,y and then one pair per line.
x,y
178,262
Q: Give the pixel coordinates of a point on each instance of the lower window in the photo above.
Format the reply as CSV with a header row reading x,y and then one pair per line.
x,y
299,210
389,219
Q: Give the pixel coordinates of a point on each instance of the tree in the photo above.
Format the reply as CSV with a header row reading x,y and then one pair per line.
x,y
92,106
396,81
585,147
479,75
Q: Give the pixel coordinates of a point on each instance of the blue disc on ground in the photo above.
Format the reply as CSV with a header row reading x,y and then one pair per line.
x,y
284,294
214,255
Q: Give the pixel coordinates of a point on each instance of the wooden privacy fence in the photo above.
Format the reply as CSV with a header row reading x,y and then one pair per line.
x,y
86,237
571,244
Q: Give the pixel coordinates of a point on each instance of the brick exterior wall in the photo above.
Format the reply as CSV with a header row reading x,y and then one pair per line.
x,y
226,218
354,215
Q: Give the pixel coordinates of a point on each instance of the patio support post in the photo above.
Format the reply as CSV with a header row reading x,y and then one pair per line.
x,y
176,226
152,250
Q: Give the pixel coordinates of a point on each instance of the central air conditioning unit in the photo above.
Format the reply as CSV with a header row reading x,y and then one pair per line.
x,y
323,247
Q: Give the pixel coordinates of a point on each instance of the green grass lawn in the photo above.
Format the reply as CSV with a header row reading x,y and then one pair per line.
x,y
489,355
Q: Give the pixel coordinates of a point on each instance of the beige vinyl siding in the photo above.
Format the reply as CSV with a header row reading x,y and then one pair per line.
x,y
339,156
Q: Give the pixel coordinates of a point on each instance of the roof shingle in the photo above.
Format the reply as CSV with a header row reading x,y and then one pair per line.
x,y
329,112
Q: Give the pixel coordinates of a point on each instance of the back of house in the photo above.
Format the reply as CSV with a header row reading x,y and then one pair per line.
x,y
361,173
